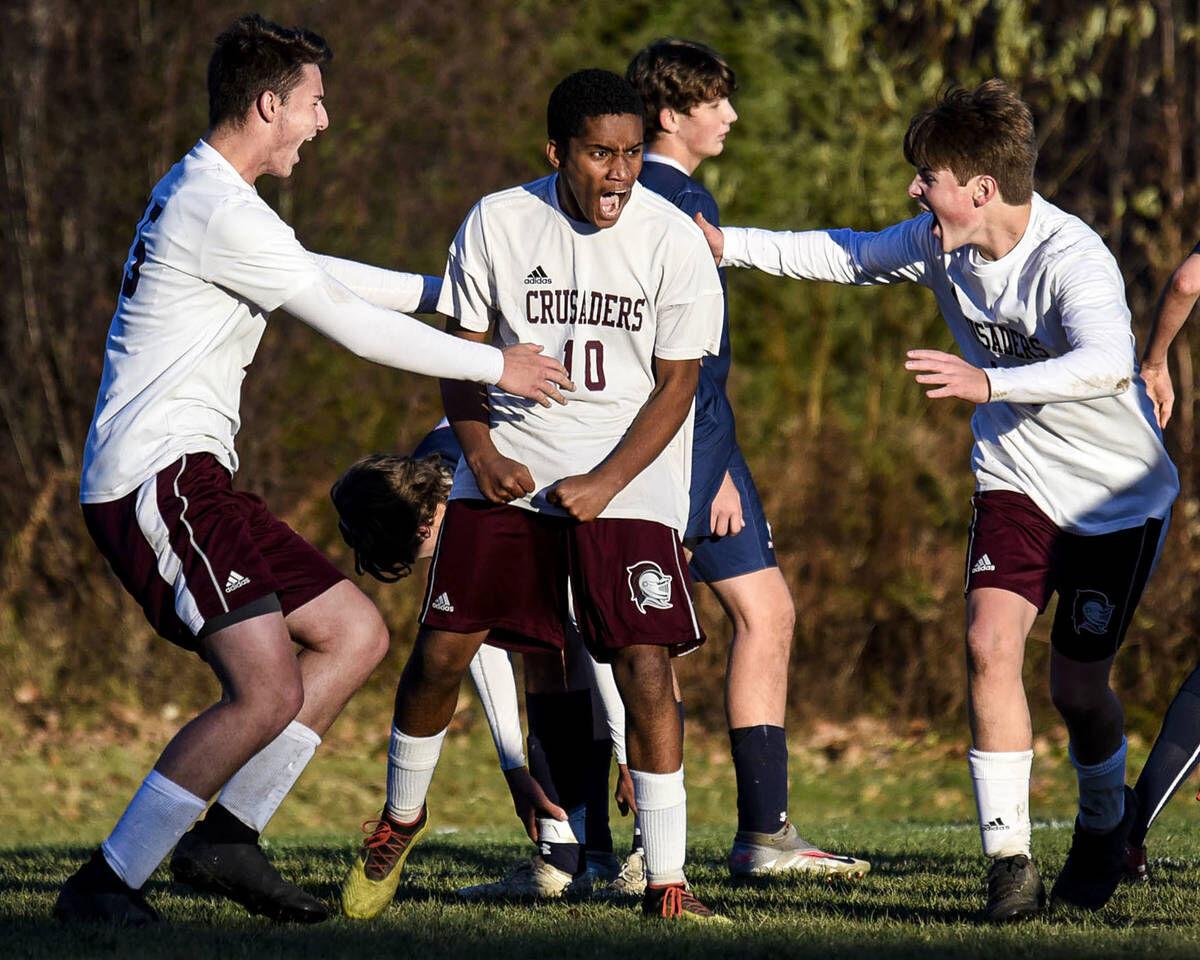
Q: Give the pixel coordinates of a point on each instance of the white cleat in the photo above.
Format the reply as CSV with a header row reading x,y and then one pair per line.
x,y
629,882
532,879
770,854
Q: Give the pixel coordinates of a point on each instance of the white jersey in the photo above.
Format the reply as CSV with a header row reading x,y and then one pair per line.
x,y
209,261
605,301
1069,424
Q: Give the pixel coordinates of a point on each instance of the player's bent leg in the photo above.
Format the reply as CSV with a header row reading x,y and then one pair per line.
x,y
425,700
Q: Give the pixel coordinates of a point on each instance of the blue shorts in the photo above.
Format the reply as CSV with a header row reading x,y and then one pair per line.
x,y
719,558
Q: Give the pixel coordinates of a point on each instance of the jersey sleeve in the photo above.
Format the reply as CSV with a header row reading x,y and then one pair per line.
x,y
901,252
248,250
468,286
691,303
390,289
694,202
1089,294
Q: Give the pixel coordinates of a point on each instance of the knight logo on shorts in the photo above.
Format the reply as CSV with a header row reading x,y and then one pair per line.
x,y
1092,612
649,586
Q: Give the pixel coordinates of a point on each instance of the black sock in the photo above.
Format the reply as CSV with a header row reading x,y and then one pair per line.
x,y
560,725
760,766
637,847
221,826
99,874
1173,757
599,835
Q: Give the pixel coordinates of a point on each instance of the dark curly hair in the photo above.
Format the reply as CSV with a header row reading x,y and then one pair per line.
x,y
675,74
255,55
586,94
385,507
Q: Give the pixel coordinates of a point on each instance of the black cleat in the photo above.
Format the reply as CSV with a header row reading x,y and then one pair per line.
x,y
1015,891
95,894
1137,870
242,873
1095,863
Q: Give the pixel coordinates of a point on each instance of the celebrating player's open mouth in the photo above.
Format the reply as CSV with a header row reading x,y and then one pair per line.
x,y
597,168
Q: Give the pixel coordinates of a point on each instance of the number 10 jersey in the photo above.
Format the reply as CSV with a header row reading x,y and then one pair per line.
x,y
606,302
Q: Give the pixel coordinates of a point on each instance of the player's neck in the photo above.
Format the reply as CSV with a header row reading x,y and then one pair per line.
x,y
1003,230
671,147
245,155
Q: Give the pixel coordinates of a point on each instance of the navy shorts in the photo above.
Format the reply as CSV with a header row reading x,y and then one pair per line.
x,y
1099,579
199,555
752,549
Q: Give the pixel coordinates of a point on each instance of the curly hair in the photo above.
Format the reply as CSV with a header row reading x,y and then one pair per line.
x,y
586,94
385,507
970,132
255,55
676,74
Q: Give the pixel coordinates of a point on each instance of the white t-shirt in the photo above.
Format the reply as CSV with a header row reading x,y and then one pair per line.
x,y
607,302
1069,424
209,261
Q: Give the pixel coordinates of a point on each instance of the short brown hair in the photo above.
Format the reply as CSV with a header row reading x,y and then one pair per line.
x,y
971,132
253,56
675,74
385,507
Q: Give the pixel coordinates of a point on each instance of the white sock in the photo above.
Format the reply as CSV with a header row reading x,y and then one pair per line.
x,y
662,815
1002,799
158,815
1101,791
254,793
411,762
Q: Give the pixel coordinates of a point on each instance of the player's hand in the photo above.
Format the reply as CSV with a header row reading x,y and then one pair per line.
x,y
725,517
1157,378
529,374
583,496
501,479
624,792
530,801
714,236
950,375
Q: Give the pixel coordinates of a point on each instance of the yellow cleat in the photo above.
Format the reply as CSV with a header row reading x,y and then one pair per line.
x,y
373,878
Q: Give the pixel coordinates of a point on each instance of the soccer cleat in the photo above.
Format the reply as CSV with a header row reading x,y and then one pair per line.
x,y
1136,869
675,901
1015,891
242,873
600,869
95,894
372,880
1095,863
629,882
532,879
768,854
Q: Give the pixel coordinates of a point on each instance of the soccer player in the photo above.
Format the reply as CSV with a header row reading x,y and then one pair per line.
x,y
614,279
1176,750
685,88
214,571
1074,486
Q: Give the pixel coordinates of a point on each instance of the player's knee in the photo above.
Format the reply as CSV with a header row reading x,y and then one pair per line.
x,y
272,706
366,643
644,669
1078,700
440,659
991,651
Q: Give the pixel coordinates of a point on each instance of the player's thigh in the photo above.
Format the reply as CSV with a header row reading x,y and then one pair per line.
x,y
255,661
341,619
758,604
1100,580
501,569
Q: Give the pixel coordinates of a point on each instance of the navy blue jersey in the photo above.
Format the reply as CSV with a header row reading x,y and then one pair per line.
x,y
715,437
440,442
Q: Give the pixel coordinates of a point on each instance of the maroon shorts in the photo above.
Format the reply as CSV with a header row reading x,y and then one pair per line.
x,y
512,571
199,555
1099,579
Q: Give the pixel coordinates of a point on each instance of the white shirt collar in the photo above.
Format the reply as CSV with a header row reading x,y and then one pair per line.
x,y
662,158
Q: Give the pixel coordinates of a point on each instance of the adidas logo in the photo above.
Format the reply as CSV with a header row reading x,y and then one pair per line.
x,y
538,275
997,824
443,603
983,565
235,581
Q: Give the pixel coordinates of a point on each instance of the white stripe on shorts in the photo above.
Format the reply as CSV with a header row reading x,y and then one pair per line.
x,y
192,537
158,538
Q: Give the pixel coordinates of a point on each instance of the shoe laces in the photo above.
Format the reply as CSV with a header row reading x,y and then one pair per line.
x,y
1006,875
384,842
677,900
632,869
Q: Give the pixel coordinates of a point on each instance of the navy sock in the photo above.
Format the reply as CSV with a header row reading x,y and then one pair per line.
x,y
599,836
760,766
559,723
1172,759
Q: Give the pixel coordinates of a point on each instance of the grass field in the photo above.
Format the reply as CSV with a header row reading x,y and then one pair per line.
x,y
904,802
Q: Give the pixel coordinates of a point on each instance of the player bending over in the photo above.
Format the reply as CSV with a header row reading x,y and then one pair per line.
x,y
1073,485
685,88
214,571
614,279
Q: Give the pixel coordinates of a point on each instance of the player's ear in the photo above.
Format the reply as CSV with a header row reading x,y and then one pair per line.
x,y
986,190
267,105
553,155
668,120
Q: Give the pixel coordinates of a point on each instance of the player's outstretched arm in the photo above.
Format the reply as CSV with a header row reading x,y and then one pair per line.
x,y
390,289
1175,304
584,496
